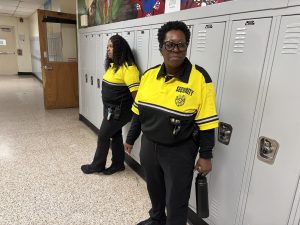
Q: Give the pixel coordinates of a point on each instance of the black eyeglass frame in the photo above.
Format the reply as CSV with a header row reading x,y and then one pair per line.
x,y
184,46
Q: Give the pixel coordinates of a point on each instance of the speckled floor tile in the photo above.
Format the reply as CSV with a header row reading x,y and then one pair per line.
x,y
40,157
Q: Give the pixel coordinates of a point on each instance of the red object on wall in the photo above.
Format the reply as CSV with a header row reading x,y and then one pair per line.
x,y
187,4
158,8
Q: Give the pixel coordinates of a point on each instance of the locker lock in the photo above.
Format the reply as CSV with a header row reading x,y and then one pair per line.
x,y
224,133
267,149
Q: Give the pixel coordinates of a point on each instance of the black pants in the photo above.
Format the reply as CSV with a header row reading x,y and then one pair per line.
x,y
169,175
111,130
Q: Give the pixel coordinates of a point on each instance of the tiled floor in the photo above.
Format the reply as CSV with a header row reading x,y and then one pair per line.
x,y
40,156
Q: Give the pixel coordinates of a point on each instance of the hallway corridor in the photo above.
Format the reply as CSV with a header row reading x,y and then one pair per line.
x,y
40,157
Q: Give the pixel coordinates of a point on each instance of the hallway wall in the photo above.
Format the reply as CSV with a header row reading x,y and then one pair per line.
x,y
24,61
35,45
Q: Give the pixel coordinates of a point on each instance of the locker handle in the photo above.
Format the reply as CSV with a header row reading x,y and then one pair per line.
x,y
224,133
86,78
92,81
267,149
98,83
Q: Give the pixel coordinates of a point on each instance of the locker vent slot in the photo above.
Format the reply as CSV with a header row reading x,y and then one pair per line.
x,y
201,41
155,42
239,40
139,42
292,39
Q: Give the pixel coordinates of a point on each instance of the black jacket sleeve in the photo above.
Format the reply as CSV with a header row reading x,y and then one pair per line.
x,y
134,131
206,143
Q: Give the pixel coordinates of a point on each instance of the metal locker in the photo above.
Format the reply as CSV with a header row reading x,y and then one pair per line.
x,y
141,53
207,44
294,2
105,39
98,79
129,37
81,64
84,87
91,90
155,57
245,61
188,52
274,181
142,49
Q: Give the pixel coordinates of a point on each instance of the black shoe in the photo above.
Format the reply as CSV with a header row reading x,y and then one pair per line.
x,y
113,169
89,168
150,222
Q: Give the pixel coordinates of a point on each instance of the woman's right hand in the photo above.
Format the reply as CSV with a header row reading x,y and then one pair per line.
x,y
128,148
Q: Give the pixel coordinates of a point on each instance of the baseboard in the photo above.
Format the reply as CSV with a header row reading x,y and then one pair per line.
x,y
30,74
135,166
25,73
193,219
39,79
88,123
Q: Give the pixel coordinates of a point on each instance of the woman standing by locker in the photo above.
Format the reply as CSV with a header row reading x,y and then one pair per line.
x,y
119,87
176,109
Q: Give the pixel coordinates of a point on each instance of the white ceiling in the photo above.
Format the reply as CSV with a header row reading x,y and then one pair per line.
x,y
19,8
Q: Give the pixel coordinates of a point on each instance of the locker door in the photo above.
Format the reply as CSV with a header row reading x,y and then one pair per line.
x,y
247,49
104,43
129,37
207,45
85,76
188,52
82,44
142,49
98,79
273,186
294,2
91,78
155,58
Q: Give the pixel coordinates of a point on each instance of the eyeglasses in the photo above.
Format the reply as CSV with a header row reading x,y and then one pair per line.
x,y
170,46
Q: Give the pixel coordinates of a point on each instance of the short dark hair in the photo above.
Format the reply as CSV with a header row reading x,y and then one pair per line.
x,y
172,25
121,53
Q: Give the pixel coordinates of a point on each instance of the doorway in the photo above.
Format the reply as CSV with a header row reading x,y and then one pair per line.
x,y
58,46
8,57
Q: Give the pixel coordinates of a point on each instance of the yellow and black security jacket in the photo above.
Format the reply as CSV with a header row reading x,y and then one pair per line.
x,y
188,97
117,85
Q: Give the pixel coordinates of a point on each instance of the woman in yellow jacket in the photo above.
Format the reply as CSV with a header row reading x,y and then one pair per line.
x,y
119,87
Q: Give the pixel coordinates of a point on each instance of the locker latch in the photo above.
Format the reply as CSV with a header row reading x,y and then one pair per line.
x,y
224,133
98,83
267,150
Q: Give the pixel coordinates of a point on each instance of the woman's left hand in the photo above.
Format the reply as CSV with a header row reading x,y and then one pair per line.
x,y
203,166
128,148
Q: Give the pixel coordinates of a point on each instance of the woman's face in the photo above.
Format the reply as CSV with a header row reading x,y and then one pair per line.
x,y
110,49
174,48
